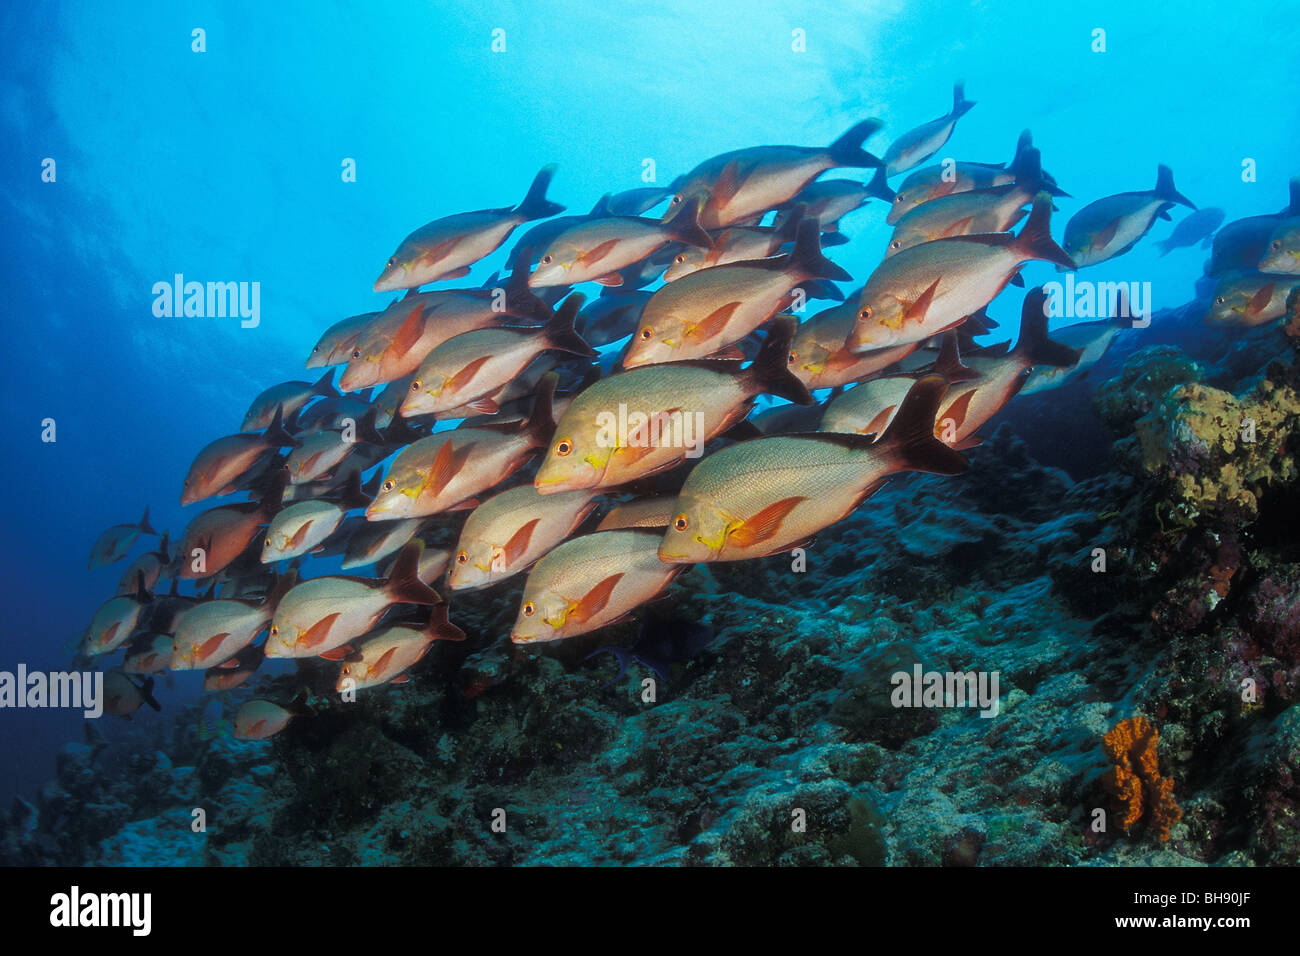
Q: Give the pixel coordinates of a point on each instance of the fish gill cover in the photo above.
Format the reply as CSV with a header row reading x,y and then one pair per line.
x,y
804,437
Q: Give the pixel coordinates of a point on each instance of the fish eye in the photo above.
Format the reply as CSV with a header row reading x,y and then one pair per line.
x,y
392,261
647,334
389,485
275,630
681,524
563,447
676,200
1220,300
794,357
529,609
461,557
864,312
416,385
679,259
895,245
356,353
1275,245
347,669
547,259
898,198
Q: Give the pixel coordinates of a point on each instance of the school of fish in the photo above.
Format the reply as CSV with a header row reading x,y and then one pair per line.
x,y
490,421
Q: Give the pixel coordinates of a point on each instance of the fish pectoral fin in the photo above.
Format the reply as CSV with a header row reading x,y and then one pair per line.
x,y
465,375
958,228
730,352
447,464
916,310
229,665
765,524
317,633
337,653
1103,238
713,323
594,601
484,406
211,644
1260,300
408,334
400,679
597,253
518,543
459,273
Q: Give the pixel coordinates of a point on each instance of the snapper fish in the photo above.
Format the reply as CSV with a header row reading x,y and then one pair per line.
x,y
932,182
930,288
447,247
116,621
1250,300
336,343
1242,244
1091,339
319,616
447,470
917,145
743,184
385,656
707,311
819,358
148,654
372,541
113,543
769,495
123,696
589,582
737,244
830,200
969,405
288,397
1195,227
470,368
598,249
260,719
399,339
646,420
212,632
511,530
234,672
1111,226
216,538
975,211
303,526
151,564
1282,256
653,512
224,462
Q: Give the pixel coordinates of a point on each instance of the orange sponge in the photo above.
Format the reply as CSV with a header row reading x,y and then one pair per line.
x,y
1135,780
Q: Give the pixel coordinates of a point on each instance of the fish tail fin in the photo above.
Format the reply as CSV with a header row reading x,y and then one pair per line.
x,y
879,186
949,363
163,544
960,105
440,627
684,224
354,496
848,151
146,692
325,385
1164,245
541,421
367,431
770,370
909,437
145,526
560,333
789,228
404,584
1165,187
1035,240
535,204
276,431
520,300
1028,170
806,257
282,585
1034,346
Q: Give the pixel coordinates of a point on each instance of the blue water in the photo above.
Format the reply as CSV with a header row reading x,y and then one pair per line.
x,y
225,165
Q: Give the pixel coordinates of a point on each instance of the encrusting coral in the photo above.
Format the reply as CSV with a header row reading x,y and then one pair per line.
x,y
1135,780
